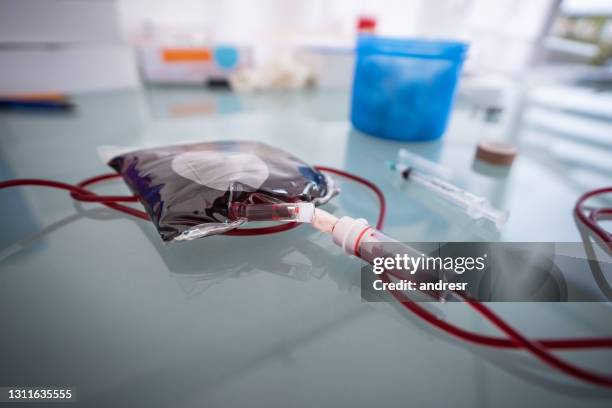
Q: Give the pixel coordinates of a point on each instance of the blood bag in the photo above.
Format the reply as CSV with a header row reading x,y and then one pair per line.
x,y
188,190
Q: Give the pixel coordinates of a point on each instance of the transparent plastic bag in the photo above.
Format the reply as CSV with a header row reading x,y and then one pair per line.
x,y
188,190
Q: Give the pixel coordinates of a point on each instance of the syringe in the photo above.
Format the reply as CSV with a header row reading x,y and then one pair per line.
x,y
474,206
416,161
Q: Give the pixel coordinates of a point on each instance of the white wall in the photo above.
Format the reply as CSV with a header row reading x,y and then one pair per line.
x,y
502,32
67,46
239,20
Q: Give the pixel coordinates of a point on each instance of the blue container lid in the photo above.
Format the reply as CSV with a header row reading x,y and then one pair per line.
x,y
412,47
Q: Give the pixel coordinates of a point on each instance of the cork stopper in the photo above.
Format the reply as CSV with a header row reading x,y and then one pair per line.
x,y
496,152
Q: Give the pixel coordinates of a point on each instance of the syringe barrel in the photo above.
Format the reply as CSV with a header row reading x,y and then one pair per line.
x,y
499,217
416,161
446,190
473,205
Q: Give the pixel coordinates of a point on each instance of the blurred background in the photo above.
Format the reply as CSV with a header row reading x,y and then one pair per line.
x,y
85,45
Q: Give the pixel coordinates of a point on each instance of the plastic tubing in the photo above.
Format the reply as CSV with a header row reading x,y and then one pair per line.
x,y
382,204
297,212
456,331
79,193
591,221
538,347
352,234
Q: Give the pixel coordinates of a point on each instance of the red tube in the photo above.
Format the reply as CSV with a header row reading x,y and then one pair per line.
x,y
537,347
538,350
493,341
382,209
591,221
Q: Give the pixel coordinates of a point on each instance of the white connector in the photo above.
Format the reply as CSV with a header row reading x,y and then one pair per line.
x,y
348,232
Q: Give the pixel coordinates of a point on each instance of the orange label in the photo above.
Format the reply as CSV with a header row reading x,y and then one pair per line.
x,y
186,54
50,96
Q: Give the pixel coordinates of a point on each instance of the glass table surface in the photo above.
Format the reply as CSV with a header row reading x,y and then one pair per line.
x,y
92,299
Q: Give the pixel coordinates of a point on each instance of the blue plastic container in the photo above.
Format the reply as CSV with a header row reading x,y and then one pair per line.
x,y
404,88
